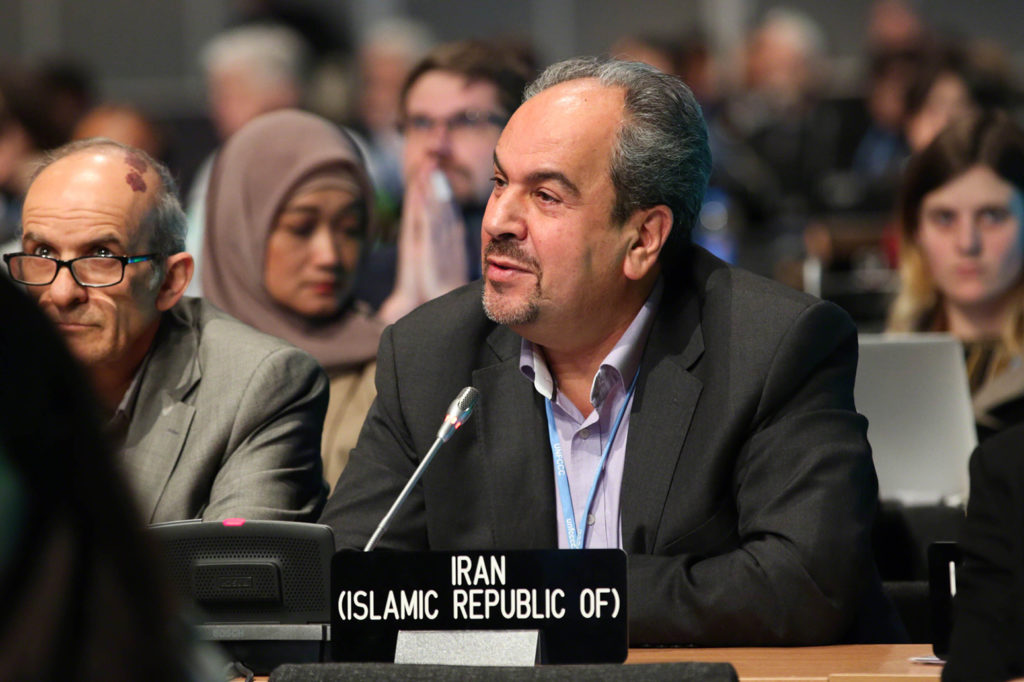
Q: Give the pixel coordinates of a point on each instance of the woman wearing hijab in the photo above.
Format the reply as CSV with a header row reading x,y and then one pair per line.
x,y
288,215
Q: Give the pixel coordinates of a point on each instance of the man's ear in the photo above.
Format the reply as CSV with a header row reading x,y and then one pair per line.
x,y
179,268
649,229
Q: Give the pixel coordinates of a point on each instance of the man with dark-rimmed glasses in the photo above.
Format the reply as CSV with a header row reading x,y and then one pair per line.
x,y
213,419
453,106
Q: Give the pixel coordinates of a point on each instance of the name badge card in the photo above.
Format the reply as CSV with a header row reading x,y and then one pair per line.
x,y
575,598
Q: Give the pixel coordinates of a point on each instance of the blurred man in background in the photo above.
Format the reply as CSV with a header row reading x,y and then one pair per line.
x,y
390,49
249,70
454,105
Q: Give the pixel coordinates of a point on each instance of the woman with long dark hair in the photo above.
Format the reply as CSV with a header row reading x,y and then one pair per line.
x,y
962,256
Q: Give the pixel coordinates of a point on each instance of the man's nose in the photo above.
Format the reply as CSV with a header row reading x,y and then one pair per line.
x,y
64,291
439,138
504,216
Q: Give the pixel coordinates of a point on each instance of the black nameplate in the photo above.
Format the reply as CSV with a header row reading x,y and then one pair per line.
x,y
576,598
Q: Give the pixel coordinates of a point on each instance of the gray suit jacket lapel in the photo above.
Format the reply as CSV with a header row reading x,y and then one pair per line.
x,y
666,397
161,421
516,454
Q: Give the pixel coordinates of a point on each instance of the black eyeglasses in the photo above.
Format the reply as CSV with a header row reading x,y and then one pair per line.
x,y
459,123
88,271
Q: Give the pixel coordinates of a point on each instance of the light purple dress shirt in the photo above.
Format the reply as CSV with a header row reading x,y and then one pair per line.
x,y
584,438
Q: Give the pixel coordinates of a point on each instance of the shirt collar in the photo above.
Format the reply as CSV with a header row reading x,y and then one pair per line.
x,y
126,407
619,365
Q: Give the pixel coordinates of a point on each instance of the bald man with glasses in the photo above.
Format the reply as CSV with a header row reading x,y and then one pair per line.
x,y
212,418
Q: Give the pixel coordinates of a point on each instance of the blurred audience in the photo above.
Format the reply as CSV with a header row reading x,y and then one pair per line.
x,y
83,595
386,55
774,140
662,53
28,127
962,256
122,123
329,87
211,418
955,81
290,215
939,95
250,70
895,26
987,643
71,92
783,62
882,150
898,46
687,55
322,26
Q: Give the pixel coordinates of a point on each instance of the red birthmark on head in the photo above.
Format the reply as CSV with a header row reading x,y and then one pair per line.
x,y
136,162
135,181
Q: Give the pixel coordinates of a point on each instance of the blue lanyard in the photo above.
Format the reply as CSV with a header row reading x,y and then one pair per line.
x,y
576,534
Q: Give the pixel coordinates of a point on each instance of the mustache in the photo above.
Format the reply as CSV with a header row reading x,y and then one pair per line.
x,y
506,248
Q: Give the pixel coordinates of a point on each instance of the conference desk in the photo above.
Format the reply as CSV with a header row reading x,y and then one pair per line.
x,y
844,663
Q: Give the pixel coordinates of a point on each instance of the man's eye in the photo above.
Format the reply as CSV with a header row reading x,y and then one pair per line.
x,y
42,251
498,182
546,197
420,123
102,251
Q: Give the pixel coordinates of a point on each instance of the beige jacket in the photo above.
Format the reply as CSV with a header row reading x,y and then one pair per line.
x,y
352,393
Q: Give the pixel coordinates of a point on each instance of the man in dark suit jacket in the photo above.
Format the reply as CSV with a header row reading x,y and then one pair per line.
x,y
740,482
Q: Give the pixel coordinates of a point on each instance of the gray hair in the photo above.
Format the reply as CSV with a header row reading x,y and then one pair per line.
x,y
661,154
164,222
272,54
797,30
401,36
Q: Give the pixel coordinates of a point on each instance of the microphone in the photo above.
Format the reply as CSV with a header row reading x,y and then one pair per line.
x,y
458,413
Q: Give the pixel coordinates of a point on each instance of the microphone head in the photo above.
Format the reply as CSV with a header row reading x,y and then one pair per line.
x,y
458,412
466,400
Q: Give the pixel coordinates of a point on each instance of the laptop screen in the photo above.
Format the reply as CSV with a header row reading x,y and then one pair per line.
x,y
913,390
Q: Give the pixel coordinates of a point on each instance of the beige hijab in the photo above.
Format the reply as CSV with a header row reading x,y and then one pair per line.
x,y
252,178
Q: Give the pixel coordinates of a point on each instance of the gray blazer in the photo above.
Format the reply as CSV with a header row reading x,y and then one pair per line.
x,y
227,423
748,491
